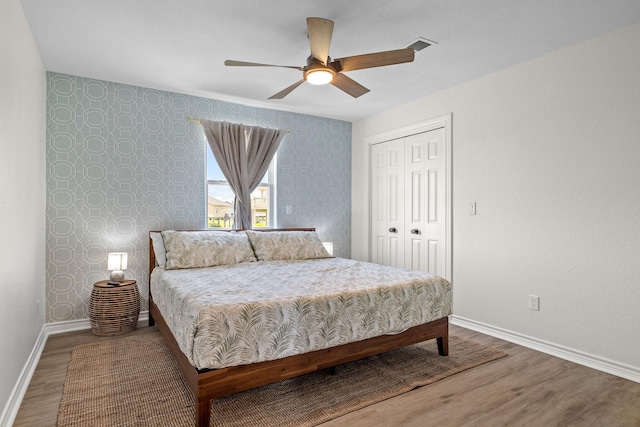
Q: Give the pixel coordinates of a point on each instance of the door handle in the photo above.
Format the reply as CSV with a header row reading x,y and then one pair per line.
x,y
415,231
393,230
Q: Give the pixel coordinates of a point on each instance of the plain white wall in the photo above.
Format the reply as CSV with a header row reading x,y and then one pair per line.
x,y
22,194
550,151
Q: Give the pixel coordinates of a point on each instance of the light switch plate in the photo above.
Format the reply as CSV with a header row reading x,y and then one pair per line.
x,y
472,208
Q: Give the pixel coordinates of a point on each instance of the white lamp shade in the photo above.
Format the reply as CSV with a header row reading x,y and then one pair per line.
x,y
117,261
328,246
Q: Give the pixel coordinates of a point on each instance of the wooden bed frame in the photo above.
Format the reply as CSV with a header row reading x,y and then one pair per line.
x,y
212,383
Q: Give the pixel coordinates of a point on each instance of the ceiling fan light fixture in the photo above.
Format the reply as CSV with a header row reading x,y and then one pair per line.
x,y
319,76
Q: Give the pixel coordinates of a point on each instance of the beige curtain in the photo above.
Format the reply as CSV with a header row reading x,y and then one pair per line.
x,y
243,154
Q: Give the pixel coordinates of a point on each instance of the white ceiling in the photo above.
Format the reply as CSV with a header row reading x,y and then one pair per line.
x,y
180,46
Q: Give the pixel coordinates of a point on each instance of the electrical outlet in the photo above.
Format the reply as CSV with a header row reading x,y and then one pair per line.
x,y
534,302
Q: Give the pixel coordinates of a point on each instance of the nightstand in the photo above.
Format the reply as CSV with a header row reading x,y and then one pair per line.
x,y
114,310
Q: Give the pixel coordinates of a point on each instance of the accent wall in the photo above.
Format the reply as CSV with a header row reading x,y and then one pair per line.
x,y
123,160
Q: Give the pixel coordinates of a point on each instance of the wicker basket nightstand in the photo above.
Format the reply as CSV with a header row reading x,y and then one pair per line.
x,y
114,310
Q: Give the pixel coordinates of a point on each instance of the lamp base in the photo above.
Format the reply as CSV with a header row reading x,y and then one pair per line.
x,y
117,276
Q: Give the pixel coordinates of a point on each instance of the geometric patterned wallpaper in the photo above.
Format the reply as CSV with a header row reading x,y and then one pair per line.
x,y
123,160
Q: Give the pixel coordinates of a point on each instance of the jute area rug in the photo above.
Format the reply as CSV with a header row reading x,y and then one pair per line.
x,y
134,381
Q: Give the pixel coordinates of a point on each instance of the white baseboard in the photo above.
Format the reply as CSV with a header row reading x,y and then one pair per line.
x,y
80,325
601,364
17,394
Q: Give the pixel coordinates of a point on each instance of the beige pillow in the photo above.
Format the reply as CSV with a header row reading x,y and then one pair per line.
x,y
287,245
193,249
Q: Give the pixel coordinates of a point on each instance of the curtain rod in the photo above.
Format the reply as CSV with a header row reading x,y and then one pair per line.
x,y
191,119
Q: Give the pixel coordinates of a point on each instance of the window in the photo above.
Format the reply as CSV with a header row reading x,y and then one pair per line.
x,y
220,212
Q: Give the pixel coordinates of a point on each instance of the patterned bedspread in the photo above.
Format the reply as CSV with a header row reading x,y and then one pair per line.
x,y
252,312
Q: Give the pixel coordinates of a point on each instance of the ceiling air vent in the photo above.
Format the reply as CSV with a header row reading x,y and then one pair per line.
x,y
420,44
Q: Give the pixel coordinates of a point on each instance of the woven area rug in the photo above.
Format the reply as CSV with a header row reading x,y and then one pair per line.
x,y
134,381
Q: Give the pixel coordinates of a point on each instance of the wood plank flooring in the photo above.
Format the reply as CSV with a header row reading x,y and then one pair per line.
x,y
527,388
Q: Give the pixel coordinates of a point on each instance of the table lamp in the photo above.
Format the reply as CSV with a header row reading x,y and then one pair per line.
x,y
116,262
328,246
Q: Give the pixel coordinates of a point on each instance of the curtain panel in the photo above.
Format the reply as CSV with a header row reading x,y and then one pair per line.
x,y
243,154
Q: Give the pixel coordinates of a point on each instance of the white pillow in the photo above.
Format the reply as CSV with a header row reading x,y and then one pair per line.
x,y
194,249
287,245
158,249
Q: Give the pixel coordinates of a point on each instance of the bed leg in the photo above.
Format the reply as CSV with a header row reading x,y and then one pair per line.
x,y
152,321
203,413
443,345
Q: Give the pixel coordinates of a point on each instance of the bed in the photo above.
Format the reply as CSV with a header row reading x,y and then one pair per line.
x,y
239,310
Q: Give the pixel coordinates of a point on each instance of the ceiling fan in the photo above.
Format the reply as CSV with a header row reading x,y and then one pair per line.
x,y
321,69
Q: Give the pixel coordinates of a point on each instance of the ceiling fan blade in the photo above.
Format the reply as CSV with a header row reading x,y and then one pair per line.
x,y
286,91
320,31
372,60
232,63
348,85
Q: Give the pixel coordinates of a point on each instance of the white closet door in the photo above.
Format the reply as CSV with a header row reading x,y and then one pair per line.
x,y
379,197
396,231
408,202
387,203
416,186
425,202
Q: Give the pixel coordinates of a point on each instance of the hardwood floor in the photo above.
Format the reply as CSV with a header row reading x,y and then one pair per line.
x,y
527,388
